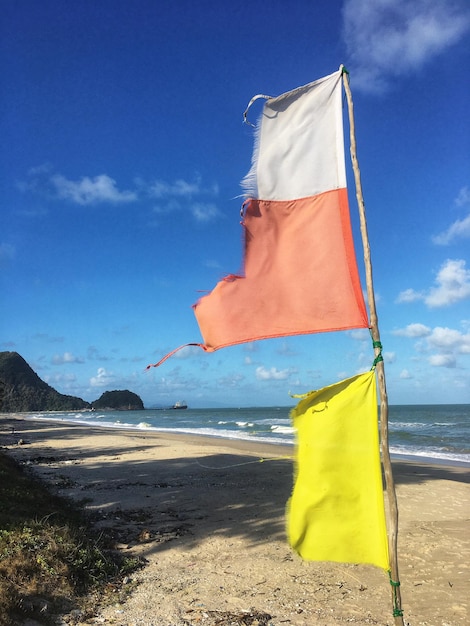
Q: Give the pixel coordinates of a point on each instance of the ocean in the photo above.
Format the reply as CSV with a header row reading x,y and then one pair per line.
x,y
438,433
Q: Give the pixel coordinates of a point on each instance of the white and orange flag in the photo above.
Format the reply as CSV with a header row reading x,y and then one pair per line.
x,y
300,273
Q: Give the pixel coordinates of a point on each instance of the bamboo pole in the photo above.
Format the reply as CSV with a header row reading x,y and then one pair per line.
x,y
374,327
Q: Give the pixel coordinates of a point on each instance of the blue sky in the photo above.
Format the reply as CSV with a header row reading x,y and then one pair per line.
x,y
122,152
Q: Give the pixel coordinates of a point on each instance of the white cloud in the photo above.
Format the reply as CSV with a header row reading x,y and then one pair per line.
x,y
60,379
441,345
67,357
413,330
231,381
387,38
102,378
463,197
389,357
460,229
262,373
182,194
204,212
452,285
448,339
186,352
405,375
410,295
212,264
285,349
360,334
180,188
170,197
442,360
95,190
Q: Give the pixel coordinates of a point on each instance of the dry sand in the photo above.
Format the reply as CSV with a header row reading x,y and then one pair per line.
x,y
209,517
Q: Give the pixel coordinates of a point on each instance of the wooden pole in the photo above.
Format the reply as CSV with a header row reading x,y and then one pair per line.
x,y
374,327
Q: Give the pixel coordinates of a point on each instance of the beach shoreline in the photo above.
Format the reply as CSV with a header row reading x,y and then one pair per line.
x,y
208,515
238,442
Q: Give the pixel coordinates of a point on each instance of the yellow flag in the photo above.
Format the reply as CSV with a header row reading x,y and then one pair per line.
x,y
336,512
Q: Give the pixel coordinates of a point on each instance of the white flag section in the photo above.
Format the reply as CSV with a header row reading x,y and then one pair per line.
x,y
299,151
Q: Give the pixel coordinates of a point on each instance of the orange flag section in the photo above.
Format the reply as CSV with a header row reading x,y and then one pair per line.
x,y
300,275
336,512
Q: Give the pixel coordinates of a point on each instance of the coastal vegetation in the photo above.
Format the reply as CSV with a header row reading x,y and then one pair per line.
x,y
51,561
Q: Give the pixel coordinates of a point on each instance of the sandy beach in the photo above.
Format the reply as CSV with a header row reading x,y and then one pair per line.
x,y
208,515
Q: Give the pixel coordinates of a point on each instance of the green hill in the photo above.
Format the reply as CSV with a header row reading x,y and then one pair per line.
x,y
119,401
21,389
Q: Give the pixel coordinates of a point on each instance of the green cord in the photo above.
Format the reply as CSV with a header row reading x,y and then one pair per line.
x,y
379,357
397,612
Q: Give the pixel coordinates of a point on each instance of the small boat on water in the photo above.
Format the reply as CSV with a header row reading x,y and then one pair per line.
x,y
180,405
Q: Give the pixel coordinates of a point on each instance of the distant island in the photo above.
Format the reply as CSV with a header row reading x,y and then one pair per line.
x,y
118,401
22,390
